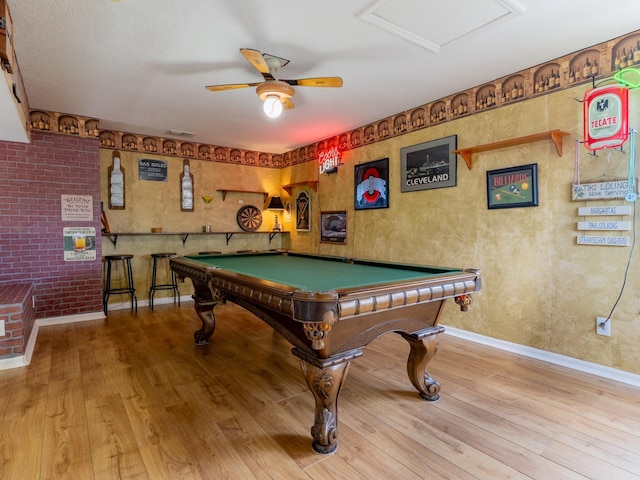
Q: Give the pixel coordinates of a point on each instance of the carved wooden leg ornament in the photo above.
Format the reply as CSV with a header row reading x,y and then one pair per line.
x,y
422,351
205,302
325,384
204,309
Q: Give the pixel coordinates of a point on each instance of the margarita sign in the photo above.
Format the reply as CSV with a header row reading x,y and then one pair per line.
x,y
606,114
329,160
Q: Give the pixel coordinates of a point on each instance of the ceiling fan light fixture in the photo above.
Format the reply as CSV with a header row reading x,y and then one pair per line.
x,y
272,106
274,93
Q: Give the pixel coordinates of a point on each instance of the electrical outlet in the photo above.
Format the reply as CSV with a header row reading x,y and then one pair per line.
x,y
2,332
240,202
603,326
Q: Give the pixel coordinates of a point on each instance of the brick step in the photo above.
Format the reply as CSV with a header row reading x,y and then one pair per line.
x,y
18,315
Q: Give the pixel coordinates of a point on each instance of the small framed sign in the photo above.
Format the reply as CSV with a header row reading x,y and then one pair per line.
x,y
154,170
513,187
333,227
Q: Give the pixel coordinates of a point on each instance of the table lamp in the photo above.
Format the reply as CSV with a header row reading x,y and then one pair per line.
x,y
276,204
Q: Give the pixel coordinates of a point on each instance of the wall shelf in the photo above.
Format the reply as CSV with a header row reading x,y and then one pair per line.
x,y
289,187
113,236
227,190
555,136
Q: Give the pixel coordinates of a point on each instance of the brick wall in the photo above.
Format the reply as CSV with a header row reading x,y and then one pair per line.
x,y
32,179
18,315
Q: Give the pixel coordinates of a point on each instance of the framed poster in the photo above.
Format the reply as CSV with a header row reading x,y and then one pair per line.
x,y
286,214
429,165
333,227
371,188
303,212
513,187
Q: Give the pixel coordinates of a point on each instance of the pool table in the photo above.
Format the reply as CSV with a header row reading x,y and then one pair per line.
x,y
329,308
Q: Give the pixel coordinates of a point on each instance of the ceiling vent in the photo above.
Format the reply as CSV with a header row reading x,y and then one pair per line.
x,y
180,133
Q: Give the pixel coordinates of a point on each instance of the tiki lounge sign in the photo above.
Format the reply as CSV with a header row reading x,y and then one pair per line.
x,y
329,160
606,114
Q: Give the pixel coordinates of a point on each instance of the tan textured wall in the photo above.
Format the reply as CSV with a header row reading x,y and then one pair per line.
x,y
539,288
157,204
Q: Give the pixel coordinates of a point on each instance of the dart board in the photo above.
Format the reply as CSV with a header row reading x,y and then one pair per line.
x,y
249,218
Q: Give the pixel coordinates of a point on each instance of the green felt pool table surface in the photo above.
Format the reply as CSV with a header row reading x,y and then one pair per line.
x,y
317,273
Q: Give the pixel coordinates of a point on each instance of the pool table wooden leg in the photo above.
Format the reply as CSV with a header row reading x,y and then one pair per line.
x,y
205,302
204,309
325,383
423,348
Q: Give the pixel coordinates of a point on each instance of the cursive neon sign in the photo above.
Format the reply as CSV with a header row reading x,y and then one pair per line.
x,y
329,160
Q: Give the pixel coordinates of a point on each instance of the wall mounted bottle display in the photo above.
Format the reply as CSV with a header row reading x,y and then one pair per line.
x,y
460,105
438,112
547,78
626,53
512,89
486,97
584,66
186,188
116,183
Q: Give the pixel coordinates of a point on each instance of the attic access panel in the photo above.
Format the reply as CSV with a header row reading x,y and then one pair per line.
x,y
432,24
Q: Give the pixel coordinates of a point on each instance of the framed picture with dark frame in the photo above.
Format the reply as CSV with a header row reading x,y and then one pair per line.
x,y
333,227
429,165
513,187
371,185
303,212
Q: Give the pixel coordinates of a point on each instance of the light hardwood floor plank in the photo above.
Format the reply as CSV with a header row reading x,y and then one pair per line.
x,y
114,449
66,449
132,397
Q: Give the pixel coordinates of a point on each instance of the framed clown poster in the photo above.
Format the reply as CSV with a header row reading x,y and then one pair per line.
x,y
513,187
371,189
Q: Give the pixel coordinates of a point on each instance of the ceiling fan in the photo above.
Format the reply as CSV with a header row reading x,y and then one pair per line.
x,y
275,93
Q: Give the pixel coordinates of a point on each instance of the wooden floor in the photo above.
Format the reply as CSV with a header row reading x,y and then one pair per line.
x,y
133,397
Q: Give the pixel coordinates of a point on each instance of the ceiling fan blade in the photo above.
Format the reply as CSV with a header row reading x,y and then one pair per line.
x,y
230,86
257,60
287,104
316,82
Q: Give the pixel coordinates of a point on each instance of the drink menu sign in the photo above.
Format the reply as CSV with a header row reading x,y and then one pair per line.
x,y
603,217
600,191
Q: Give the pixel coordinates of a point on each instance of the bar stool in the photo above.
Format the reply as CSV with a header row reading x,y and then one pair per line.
x,y
171,280
125,283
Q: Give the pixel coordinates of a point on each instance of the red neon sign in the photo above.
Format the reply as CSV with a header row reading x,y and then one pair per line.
x,y
329,160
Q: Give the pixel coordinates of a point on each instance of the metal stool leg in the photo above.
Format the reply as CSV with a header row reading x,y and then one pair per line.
x,y
132,290
172,279
128,288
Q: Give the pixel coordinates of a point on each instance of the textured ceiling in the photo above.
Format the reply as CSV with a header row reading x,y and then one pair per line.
x,y
141,65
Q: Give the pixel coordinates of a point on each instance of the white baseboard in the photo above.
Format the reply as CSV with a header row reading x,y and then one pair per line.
x,y
22,360
145,302
549,357
81,317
